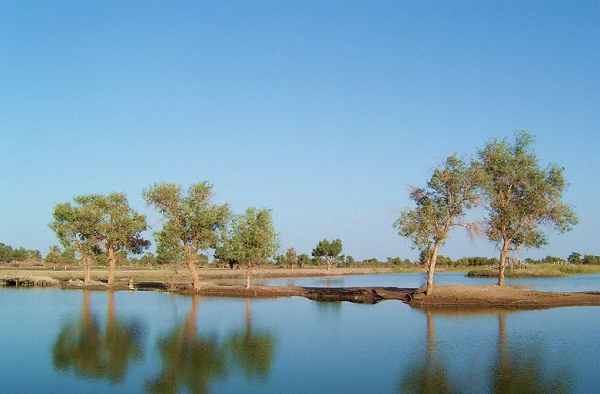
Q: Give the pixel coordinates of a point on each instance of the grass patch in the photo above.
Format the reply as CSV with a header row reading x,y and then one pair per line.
x,y
537,271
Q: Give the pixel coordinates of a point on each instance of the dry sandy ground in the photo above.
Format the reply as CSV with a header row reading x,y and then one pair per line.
x,y
506,297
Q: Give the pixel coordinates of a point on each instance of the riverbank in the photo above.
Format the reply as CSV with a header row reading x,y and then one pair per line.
x,y
537,271
453,296
208,275
444,296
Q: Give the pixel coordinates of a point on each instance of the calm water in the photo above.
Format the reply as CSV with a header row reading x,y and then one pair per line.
x,y
567,283
94,342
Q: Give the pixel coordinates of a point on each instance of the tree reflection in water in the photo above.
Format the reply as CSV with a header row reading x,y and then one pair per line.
x,y
192,361
252,349
514,370
189,361
82,346
523,371
430,375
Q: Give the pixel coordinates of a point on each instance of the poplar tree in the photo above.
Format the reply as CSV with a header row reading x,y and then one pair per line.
x,y
76,227
439,207
120,229
250,239
192,221
522,197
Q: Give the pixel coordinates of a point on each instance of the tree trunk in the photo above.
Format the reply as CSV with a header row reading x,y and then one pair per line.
x,y
248,274
88,270
431,269
111,266
86,314
189,257
110,316
502,263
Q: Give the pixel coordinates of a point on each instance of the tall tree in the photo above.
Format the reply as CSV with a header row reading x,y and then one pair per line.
x,y
250,239
76,226
442,205
521,196
192,221
119,230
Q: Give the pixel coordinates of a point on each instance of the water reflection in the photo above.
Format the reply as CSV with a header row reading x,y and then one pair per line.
x,y
429,375
252,349
190,360
455,353
514,369
523,371
87,350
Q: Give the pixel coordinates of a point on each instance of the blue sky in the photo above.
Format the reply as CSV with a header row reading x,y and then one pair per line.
x,y
325,112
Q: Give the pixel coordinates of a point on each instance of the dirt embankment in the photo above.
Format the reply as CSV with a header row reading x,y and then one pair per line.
x,y
504,297
452,296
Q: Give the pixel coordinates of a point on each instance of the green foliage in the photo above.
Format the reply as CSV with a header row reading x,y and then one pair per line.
x,y
522,196
303,260
590,259
9,254
250,239
574,258
330,250
119,227
398,261
76,225
58,256
191,221
452,189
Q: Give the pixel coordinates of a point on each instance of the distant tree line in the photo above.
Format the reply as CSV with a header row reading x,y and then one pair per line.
x,y
10,254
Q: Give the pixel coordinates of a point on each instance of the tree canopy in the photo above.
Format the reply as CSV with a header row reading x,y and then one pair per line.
x,y
452,189
330,250
192,221
521,196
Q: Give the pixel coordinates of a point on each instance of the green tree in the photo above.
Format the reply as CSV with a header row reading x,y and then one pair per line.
x,y
167,251
303,260
329,250
54,255
574,258
521,196
119,230
441,206
250,239
76,227
291,258
8,254
192,221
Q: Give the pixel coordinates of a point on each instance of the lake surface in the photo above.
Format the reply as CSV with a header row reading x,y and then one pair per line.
x,y
566,283
55,340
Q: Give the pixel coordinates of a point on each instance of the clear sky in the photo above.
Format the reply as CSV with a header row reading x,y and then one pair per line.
x,y
324,111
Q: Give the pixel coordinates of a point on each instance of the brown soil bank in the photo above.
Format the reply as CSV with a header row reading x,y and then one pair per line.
x,y
504,297
457,296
